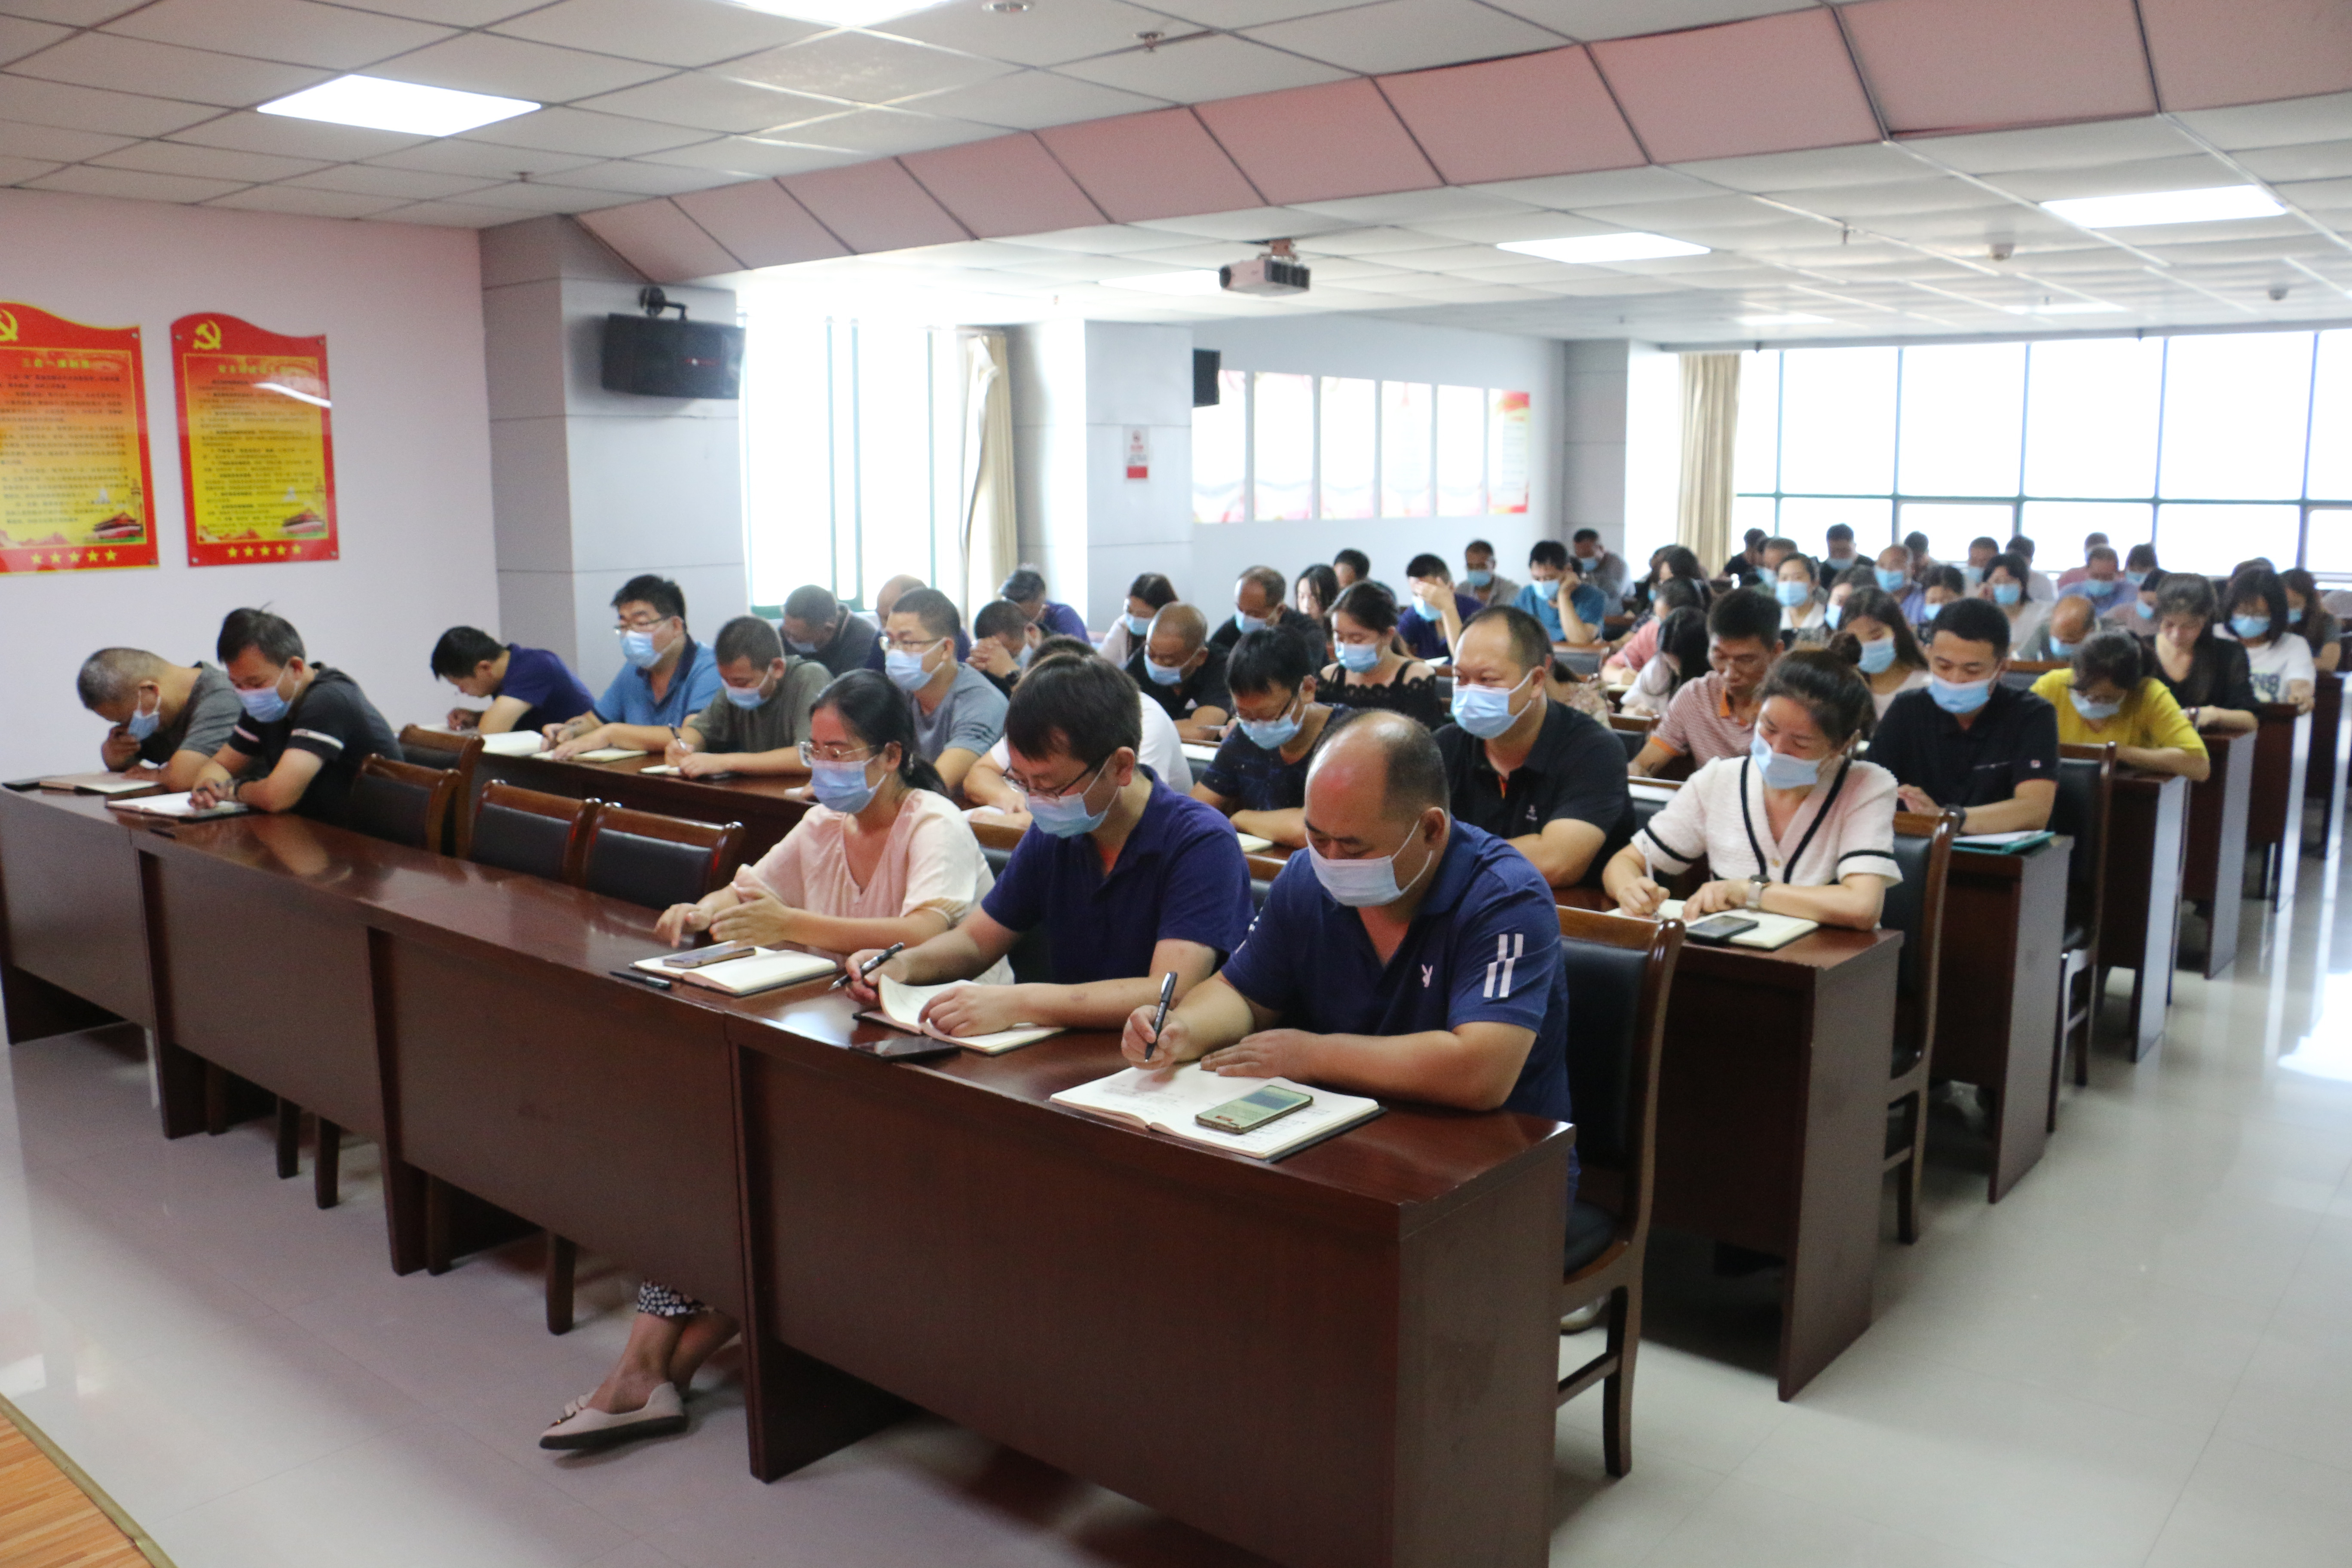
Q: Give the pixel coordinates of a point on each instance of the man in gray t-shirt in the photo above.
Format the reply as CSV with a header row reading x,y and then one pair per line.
x,y
760,715
167,717
958,712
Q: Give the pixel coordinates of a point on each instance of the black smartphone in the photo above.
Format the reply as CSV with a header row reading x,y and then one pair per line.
x,y
1252,1111
1717,928
702,958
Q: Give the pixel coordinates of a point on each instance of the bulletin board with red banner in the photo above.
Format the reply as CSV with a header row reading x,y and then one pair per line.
x,y
257,443
75,486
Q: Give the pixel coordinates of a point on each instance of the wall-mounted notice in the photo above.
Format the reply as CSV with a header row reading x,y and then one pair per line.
x,y
257,443
1506,451
74,479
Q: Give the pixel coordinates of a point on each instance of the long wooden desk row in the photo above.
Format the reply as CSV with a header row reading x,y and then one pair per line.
x,y
1346,1358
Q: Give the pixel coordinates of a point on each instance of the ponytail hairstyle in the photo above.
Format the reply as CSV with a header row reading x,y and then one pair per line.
x,y
1827,683
878,714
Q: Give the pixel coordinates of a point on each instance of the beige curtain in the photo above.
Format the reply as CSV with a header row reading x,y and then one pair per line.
x,y
988,539
1710,424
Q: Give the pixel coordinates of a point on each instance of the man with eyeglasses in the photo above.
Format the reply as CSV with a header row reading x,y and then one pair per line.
x,y
761,717
666,677
958,712
1129,879
1714,716
1178,668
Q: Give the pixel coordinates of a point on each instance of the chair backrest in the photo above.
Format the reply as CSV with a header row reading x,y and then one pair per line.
x,y
1584,661
529,830
1914,906
401,803
1618,972
2086,799
1033,950
461,756
656,860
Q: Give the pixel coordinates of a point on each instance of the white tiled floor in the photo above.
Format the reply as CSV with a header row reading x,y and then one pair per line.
x,y
2142,1356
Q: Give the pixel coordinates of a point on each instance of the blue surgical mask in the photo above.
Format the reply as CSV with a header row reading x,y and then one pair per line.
x,y
637,648
2294,617
907,671
2248,627
1782,771
1163,674
1272,734
2099,588
1252,623
2099,712
744,697
1363,884
264,706
2007,594
1973,576
141,723
1793,594
1477,579
2145,611
2135,578
1139,626
1831,615
2061,649
1877,657
805,649
1484,710
1891,581
1550,588
841,785
1359,656
1959,697
1065,815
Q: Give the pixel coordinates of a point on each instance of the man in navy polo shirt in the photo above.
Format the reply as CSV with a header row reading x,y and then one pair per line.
x,y
1129,879
1403,955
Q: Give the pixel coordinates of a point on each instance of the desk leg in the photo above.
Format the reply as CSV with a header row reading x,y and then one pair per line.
x,y
2152,981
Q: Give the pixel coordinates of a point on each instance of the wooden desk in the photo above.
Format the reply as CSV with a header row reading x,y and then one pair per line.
x,y
758,803
1997,993
2214,874
2274,817
1772,1118
73,924
2147,833
2331,759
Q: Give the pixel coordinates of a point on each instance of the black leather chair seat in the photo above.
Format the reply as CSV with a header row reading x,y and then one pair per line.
x,y
1590,1231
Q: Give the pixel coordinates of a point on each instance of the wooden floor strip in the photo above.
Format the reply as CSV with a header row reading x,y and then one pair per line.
x,y
54,1516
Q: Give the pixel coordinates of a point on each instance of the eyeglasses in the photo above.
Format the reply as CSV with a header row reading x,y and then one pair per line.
x,y
914,644
638,624
1075,786
810,753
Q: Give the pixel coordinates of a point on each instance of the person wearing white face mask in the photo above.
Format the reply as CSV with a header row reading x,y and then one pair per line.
x,y
762,713
958,711
2107,695
1797,827
1146,596
1258,778
1401,954
1970,741
305,732
665,676
168,719
1882,647
1373,670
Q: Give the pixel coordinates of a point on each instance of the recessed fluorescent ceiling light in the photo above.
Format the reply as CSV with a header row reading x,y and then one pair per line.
x,y
1785,318
841,13
1598,249
2063,308
1169,283
2212,204
381,105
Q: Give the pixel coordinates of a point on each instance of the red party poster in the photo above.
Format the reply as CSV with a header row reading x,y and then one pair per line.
x,y
75,486
257,443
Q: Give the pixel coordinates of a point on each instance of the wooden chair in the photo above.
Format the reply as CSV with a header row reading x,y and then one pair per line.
x,y
1619,971
2086,805
1914,906
1634,730
461,757
529,830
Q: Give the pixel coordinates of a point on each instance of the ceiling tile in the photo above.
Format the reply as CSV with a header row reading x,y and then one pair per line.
x,y
133,184
1046,34
19,37
1816,169
759,224
1250,225
1414,206
548,197
1609,185
402,184
1406,35
1155,165
54,143
755,157
1525,224
307,203
291,138
453,13
1031,100
1378,242
2321,119
644,179
863,68
87,108
1562,117
292,30
671,32
883,131
2212,56
1624,19
1964,64
2189,173
2321,196
1320,143
165,71
1101,239
713,103
1771,85
874,206
514,67
1232,14
68,12
447,215
15,171
452,155
660,241
205,162
1196,70
587,131
1999,152
1007,186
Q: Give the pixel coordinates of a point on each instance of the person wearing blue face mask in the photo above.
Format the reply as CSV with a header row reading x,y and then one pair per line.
x,y
2308,614
2278,661
1797,587
958,712
2008,585
1897,575
1258,778
1179,667
2070,620
1129,879
1795,826
2100,580
760,715
1026,588
1971,741
1569,612
1260,600
1882,647
1146,596
306,728
1002,639
819,627
2106,695
1479,578
1372,671
1434,619
666,677
168,720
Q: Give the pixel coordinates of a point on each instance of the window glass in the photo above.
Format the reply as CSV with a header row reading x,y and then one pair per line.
x,y
1755,456
1348,452
1220,451
2090,410
1282,474
1407,417
1962,410
894,475
2331,421
2057,528
1806,519
1746,512
1507,438
1460,451
1837,421
787,470
1949,525
2235,409
2327,549
2212,538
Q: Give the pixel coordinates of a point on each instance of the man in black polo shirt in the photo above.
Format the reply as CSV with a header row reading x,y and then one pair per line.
x,y
1524,768
1258,601
1178,669
819,627
1969,741
306,729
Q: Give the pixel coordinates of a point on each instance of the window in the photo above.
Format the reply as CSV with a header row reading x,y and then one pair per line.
x,y
1350,448
1283,426
1278,447
2215,447
1220,451
1406,416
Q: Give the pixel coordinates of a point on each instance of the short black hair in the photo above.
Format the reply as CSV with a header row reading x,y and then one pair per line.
x,y
1153,589
2021,545
996,618
2141,558
1973,620
748,636
666,597
1270,583
1265,659
1478,544
114,674
1026,584
2109,653
1427,565
2096,551
1085,708
1753,537
812,605
1824,682
1838,530
2186,593
1745,613
1986,540
2016,565
2258,584
1915,542
1355,561
1530,644
1549,553
1945,575
462,649
1582,534
274,635
934,609
1061,644
1368,605
1677,593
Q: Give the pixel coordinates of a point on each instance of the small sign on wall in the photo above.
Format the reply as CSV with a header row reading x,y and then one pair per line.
x,y
1139,452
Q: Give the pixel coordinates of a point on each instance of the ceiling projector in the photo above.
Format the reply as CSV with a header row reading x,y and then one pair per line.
x,y
1278,271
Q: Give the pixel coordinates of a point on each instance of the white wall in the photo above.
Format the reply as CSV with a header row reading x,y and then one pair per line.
x,y
401,309
1653,450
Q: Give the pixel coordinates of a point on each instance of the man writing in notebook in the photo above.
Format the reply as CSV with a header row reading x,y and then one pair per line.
x,y
1129,879
760,715
666,677
305,730
1403,955
169,719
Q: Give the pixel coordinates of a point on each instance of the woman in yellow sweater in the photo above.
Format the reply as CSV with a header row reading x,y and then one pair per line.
x,y
2107,694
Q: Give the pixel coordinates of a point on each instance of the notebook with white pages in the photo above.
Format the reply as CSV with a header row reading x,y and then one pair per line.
x,y
514,744
672,770
1167,1102
762,969
1196,753
96,784
902,1008
610,754
1771,931
1252,843
176,808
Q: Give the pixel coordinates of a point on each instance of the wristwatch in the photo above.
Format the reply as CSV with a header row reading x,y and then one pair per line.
x,y
1756,885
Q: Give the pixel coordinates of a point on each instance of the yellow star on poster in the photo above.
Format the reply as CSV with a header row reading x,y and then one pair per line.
x,y
75,558
109,555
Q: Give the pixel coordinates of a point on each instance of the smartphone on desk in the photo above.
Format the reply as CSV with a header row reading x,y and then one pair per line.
x,y
702,958
1252,1111
1717,928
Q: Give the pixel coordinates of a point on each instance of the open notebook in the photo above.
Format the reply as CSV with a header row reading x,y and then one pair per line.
x,y
1771,931
176,807
610,754
96,784
1168,1103
763,969
1252,843
902,1008
514,744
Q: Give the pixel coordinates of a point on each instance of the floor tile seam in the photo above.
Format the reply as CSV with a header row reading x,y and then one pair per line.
x,y
1722,1478
1847,1514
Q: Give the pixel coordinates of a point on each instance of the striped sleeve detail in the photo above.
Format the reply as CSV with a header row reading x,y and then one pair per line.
x,y
319,735
1509,948
1869,862
1655,850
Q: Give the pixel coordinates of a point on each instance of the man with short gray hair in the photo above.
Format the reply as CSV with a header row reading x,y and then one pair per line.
x,y
169,719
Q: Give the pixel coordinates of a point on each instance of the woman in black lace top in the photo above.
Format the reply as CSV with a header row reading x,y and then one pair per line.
x,y
1373,670
2207,675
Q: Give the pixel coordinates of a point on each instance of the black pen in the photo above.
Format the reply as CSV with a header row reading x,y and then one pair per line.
x,y
869,966
642,978
1159,1019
